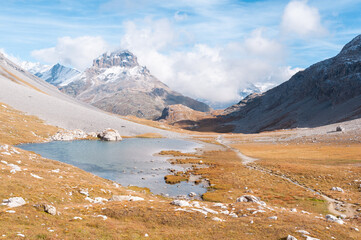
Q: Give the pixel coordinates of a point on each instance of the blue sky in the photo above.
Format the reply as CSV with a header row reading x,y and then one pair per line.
x,y
215,29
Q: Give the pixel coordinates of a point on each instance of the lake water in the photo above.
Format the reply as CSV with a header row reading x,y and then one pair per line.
x,y
128,162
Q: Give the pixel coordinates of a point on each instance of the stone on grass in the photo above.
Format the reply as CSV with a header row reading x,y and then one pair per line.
x,y
14,202
290,237
119,198
338,189
273,218
332,218
181,203
49,209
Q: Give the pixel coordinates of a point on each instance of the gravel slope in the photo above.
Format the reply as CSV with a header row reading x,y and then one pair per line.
x,y
56,108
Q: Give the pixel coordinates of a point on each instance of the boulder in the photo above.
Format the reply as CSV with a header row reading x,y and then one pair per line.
x,y
339,129
332,218
119,198
338,189
110,135
49,209
181,203
68,135
250,198
14,202
290,237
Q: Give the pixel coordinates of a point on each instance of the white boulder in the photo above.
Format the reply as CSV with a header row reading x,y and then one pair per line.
x,y
119,198
50,209
110,135
332,218
338,189
181,203
14,202
290,237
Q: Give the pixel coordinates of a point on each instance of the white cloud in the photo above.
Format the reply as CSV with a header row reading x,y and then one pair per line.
x,y
76,52
180,16
303,20
216,74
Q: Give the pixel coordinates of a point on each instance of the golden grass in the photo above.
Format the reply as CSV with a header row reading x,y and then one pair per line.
x,y
150,135
173,179
317,166
157,218
16,127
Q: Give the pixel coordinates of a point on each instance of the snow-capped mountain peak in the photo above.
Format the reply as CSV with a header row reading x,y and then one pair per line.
x,y
122,58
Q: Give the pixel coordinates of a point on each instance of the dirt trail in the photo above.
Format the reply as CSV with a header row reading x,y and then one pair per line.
x,y
348,209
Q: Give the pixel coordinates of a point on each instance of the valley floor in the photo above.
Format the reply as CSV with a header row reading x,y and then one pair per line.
x,y
292,175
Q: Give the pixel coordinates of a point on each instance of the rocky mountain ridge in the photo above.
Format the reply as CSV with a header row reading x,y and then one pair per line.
x,y
326,92
117,83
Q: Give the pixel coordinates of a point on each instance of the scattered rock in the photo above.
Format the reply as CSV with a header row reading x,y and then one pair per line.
x,y
119,198
181,203
67,135
217,219
78,218
49,209
355,228
84,192
110,135
332,218
290,237
14,202
338,189
192,194
250,198
303,232
273,218
311,238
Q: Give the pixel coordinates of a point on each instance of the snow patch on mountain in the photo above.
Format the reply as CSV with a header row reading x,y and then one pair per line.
x,y
58,74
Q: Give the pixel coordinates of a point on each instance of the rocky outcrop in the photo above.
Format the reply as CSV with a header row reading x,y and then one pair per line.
x,y
117,83
70,135
109,135
326,92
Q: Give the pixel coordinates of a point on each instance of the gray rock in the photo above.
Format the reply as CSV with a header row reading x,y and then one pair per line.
x,y
110,135
49,209
273,218
119,198
181,203
338,189
14,202
290,237
248,198
332,218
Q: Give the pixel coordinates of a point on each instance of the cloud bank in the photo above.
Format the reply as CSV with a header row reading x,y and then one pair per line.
x,y
77,52
215,74
300,19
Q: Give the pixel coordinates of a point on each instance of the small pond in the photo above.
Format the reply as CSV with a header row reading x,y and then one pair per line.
x,y
129,162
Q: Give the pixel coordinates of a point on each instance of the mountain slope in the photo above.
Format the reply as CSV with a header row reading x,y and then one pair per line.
x,y
30,94
326,92
117,83
58,74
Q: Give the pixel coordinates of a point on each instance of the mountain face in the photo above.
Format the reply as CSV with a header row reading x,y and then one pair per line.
x,y
117,83
326,92
58,74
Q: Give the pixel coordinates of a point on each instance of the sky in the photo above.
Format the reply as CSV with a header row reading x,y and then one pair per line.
x,y
206,49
